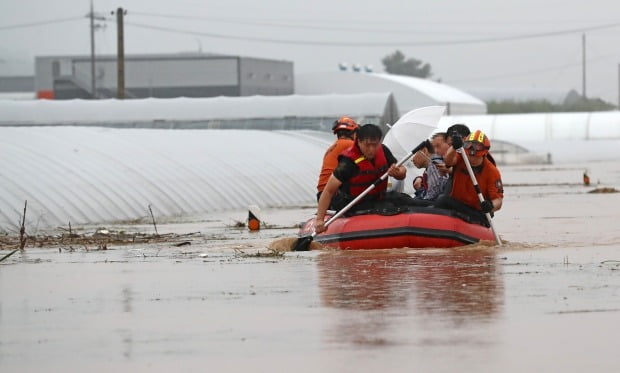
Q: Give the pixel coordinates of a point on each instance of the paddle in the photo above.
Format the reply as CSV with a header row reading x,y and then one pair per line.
x,y
303,243
480,196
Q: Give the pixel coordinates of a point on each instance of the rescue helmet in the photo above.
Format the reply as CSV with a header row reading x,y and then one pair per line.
x,y
344,123
477,144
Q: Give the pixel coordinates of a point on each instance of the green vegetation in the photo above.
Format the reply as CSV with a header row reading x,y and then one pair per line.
x,y
572,103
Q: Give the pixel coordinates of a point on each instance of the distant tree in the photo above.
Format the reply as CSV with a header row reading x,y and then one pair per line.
x,y
572,103
512,106
396,63
576,102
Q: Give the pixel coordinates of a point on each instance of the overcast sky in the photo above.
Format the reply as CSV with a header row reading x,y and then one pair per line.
x,y
476,45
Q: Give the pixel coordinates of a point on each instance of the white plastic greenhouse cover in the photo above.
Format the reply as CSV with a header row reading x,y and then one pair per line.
x,y
70,112
604,125
565,137
91,175
409,92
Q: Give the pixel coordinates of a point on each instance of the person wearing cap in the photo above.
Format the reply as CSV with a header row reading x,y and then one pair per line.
x,y
358,168
463,196
344,128
463,131
458,128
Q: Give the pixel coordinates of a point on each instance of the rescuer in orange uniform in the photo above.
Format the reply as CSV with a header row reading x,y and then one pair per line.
x,y
464,197
345,130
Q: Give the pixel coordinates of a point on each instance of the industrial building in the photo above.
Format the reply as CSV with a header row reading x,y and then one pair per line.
x,y
211,75
16,88
162,76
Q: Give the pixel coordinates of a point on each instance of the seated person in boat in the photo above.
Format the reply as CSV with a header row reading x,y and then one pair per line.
x,y
358,168
441,145
432,182
463,197
345,130
443,140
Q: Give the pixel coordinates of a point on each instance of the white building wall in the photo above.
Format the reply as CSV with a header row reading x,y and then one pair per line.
x,y
160,72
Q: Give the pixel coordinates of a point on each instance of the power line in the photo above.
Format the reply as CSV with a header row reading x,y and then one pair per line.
x,y
529,72
40,23
515,74
374,44
349,20
294,25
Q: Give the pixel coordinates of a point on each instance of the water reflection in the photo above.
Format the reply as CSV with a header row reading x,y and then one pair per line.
x,y
126,334
126,298
385,292
366,280
459,283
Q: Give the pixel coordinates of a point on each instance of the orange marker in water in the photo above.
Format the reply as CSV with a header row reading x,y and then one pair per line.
x,y
586,178
253,218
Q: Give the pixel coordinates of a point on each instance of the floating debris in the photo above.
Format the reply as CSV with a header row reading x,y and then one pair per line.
x,y
97,239
604,190
270,253
8,255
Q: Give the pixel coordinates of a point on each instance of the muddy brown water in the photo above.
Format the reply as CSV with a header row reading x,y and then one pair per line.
x,y
548,300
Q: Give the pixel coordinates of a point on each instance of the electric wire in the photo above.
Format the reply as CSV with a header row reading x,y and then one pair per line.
x,y
40,23
434,43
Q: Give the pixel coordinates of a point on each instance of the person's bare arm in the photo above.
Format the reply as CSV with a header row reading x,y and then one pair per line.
x,y
397,173
331,188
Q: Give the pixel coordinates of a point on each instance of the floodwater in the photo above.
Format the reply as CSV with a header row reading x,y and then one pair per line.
x,y
547,300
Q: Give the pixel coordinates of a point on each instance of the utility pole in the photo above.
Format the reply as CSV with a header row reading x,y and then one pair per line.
x,y
619,86
583,64
93,27
92,51
120,58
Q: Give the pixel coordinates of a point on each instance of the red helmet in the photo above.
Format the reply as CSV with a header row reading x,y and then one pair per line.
x,y
477,144
344,123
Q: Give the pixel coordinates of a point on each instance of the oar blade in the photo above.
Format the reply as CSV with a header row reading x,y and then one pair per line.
x,y
303,243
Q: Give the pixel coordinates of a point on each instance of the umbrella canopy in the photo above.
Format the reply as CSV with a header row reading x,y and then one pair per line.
x,y
408,132
412,128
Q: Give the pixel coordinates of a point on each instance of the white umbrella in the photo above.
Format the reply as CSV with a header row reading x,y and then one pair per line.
x,y
412,128
409,131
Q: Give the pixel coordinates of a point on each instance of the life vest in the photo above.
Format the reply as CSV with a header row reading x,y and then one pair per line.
x,y
369,172
330,160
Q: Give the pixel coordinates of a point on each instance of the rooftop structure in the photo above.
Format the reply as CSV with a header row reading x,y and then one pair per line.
x,y
409,92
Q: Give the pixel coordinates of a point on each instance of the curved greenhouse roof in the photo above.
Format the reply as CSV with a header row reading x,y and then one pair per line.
x,y
409,92
264,112
565,137
603,125
88,175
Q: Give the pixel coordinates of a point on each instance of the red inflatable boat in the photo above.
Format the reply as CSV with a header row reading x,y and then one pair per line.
x,y
418,227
